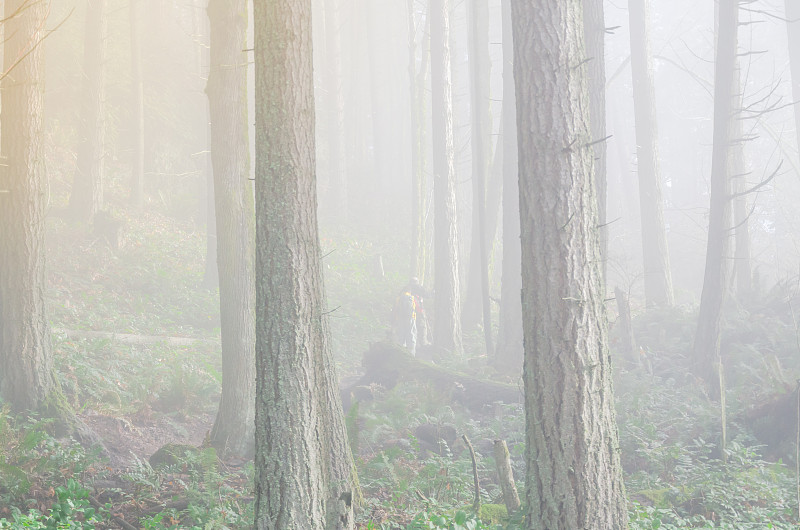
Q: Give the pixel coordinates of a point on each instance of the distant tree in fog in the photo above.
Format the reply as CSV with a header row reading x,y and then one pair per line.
x,y
27,380
509,336
417,90
594,30
717,270
792,11
447,301
235,223
87,184
335,119
574,475
476,301
137,108
304,468
657,274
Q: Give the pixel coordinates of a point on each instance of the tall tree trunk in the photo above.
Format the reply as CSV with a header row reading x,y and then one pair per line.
x,y
717,270
26,361
743,270
447,301
227,97
303,463
417,81
206,164
137,89
793,33
572,452
336,136
478,283
479,128
594,31
509,338
657,274
86,197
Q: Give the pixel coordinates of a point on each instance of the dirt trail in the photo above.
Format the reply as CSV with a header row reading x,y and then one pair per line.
x,y
139,436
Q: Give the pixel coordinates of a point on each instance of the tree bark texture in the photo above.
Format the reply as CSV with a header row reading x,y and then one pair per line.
x,y
303,463
594,31
447,301
26,362
509,337
137,90
657,274
86,197
235,224
718,269
574,477
506,476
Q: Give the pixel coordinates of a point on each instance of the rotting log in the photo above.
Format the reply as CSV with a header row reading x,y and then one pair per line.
x,y
129,338
506,476
387,365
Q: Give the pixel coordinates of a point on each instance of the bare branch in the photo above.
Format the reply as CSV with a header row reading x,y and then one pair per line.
x,y
759,185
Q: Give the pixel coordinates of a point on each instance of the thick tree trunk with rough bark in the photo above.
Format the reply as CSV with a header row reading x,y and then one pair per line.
x,y
574,477
447,301
717,270
304,469
235,222
509,337
86,197
26,363
657,274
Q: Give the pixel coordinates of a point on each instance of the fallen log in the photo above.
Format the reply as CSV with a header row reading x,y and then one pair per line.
x,y
128,338
387,365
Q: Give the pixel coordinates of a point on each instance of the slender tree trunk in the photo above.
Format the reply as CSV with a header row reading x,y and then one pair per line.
x,y
137,89
206,163
417,81
657,274
26,362
447,302
594,31
477,298
743,270
87,184
793,32
336,136
574,477
717,270
509,339
304,469
235,222
479,128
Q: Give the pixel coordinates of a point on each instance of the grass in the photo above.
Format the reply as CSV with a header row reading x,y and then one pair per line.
x,y
153,285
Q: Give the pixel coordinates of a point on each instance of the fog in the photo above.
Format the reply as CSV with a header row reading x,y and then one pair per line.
x,y
204,304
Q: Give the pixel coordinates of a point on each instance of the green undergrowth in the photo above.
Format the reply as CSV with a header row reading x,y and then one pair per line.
x,y
406,472
152,284
118,379
51,483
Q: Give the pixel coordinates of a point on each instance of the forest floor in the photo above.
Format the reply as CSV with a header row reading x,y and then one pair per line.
x,y
135,341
